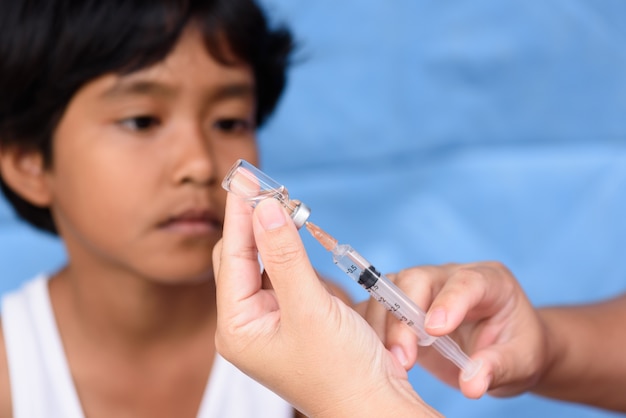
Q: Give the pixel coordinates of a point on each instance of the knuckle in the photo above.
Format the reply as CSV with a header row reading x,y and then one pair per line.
x,y
465,281
422,273
283,255
417,283
467,276
497,266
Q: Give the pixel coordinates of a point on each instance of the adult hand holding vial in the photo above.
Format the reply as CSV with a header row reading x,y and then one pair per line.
x,y
296,338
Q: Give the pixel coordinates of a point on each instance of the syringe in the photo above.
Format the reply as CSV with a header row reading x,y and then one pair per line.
x,y
250,183
392,298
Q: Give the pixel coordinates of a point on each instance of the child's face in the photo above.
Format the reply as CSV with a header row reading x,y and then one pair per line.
x,y
138,162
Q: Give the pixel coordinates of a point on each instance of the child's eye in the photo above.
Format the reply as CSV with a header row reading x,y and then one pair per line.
x,y
233,125
140,123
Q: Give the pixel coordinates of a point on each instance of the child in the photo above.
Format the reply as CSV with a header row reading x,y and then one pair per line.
x,y
118,120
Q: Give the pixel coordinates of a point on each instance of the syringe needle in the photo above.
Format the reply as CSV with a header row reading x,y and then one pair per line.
x,y
321,236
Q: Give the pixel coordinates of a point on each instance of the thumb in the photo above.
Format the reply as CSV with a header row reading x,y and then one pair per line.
x,y
284,257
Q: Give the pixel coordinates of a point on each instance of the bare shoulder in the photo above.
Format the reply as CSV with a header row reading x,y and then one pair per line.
x,y
5,387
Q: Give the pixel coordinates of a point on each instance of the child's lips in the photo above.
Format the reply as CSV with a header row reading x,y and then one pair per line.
x,y
193,222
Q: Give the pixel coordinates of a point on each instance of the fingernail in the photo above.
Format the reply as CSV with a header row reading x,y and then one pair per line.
x,y
436,319
398,353
271,214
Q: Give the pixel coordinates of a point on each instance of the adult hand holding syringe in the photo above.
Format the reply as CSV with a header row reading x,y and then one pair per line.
x,y
392,298
248,182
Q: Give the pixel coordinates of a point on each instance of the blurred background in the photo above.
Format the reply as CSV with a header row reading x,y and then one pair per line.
x,y
429,132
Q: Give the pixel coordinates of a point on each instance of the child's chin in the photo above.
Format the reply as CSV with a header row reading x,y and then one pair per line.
x,y
183,276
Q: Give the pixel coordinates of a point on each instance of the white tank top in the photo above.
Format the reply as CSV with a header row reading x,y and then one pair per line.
x,y
42,386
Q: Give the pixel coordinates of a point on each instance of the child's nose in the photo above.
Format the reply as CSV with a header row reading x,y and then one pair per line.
x,y
196,163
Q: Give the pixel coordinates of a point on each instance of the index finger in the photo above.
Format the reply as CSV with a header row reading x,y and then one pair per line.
x,y
238,274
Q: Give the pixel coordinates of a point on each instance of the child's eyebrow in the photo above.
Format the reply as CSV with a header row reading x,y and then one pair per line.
x,y
131,88
151,88
233,90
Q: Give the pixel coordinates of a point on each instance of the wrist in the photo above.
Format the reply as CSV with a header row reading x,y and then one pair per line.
x,y
554,352
392,398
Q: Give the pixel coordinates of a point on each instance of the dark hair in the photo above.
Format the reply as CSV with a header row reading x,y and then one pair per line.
x,y
50,48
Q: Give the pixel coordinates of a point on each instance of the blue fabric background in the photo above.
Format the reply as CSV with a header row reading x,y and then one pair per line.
x,y
428,132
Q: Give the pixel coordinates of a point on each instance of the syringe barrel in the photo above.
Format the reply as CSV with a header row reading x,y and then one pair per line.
x,y
383,290
403,308
253,185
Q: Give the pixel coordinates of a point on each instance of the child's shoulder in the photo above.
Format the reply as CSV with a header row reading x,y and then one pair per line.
x,y
5,386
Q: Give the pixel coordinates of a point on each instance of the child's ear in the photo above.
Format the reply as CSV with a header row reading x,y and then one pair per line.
x,y
24,172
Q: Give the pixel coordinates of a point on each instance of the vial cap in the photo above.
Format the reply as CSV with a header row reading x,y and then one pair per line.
x,y
300,214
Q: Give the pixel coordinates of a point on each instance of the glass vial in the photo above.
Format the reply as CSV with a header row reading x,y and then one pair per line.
x,y
253,185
